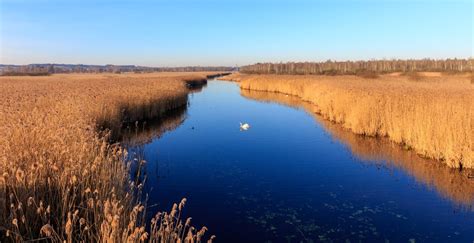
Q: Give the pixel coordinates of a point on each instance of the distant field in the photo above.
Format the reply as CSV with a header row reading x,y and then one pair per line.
x,y
430,113
61,176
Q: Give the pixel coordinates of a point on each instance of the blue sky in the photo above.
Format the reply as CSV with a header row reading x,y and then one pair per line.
x,y
230,32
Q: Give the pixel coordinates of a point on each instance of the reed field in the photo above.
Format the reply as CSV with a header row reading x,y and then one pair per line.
x,y
236,77
429,113
63,178
448,182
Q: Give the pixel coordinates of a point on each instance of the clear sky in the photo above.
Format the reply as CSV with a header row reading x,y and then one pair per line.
x,y
230,32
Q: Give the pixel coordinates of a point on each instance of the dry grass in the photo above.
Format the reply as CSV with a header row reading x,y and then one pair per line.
x,y
367,74
236,77
448,182
61,177
433,117
170,228
413,76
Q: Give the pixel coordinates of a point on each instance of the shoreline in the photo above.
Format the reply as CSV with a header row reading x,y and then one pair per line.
x,y
391,106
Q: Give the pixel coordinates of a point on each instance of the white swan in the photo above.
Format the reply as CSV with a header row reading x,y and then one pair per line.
x,y
244,126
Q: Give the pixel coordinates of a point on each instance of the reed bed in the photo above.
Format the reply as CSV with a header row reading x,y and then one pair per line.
x,y
236,77
381,152
431,115
62,179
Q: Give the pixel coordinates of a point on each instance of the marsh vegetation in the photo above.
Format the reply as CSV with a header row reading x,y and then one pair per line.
x,y
63,178
429,113
67,175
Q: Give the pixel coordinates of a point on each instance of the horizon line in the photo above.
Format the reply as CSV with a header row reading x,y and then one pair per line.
x,y
293,61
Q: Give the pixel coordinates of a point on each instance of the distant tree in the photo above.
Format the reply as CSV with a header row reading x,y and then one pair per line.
x,y
51,68
352,67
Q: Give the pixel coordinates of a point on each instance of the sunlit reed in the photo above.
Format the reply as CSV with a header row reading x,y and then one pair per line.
x,y
61,177
429,114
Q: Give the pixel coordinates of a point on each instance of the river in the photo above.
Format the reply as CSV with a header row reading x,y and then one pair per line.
x,y
295,177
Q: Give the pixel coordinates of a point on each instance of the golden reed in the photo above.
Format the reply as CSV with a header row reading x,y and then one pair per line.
x,y
431,115
61,178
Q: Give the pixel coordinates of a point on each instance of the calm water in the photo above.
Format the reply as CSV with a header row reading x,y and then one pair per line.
x,y
293,177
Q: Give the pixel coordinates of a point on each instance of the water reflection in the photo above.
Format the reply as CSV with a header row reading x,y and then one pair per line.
x,y
449,183
144,132
196,86
290,179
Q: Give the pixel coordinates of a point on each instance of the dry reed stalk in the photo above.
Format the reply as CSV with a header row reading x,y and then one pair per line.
x,y
434,117
60,177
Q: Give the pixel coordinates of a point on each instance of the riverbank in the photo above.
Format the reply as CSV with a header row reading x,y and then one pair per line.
x,y
429,114
448,182
61,177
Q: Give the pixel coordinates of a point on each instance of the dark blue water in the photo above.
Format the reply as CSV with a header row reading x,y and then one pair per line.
x,y
291,179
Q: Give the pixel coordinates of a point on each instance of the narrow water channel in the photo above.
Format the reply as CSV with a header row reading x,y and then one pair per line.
x,y
293,177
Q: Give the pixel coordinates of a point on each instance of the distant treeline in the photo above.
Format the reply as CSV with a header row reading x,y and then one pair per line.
x,y
355,67
46,69
30,73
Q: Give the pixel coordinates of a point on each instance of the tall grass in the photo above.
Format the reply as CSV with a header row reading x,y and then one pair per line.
x,y
433,117
61,178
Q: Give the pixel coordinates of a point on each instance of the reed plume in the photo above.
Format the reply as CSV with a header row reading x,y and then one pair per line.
x,y
62,177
